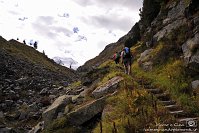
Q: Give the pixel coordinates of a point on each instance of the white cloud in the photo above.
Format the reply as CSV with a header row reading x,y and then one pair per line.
x,y
81,27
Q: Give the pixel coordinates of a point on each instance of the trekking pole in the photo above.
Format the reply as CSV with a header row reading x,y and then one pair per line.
x,y
100,126
114,128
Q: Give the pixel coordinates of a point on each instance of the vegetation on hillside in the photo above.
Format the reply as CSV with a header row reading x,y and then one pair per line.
x,y
133,109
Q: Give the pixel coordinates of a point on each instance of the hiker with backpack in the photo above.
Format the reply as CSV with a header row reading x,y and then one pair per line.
x,y
116,57
126,57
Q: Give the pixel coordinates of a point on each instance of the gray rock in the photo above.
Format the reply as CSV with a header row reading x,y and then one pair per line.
x,y
9,102
44,91
3,106
23,115
85,91
177,11
38,128
17,88
77,99
147,66
60,114
80,90
1,114
195,57
36,116
196,21
169,28
195,84
52,97
58,105
166,21
172,5
145,60
87,81
108,87
146,55
19,101
60,88
196,29
189,47
86,112
33,107
11,92
6,130
66,110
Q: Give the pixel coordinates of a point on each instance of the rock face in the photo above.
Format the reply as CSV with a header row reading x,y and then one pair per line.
x,y
177,10
168,29
108,87
173,20
58,105
86,112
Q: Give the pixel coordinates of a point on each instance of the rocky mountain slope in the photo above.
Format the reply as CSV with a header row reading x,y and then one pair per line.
x,y
29,82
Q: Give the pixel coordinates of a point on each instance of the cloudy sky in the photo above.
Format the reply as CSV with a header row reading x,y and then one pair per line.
x,y
79,29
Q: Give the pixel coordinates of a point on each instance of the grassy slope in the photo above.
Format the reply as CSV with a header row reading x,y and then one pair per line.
x,y
132,108
28,53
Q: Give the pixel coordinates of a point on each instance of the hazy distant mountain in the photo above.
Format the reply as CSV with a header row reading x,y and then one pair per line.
x,y
68,62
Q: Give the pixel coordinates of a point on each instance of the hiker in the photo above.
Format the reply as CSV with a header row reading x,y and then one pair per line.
x,y
126,57
116,57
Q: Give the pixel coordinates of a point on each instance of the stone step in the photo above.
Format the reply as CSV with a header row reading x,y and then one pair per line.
x,y
168,102
163,96
172,107
149,86
154,91
178,113
188,119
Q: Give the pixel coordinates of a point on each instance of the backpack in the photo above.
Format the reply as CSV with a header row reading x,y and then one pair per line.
x,y
117,55
127,52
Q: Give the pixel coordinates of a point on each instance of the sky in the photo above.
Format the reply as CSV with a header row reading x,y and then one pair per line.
x,y
77,29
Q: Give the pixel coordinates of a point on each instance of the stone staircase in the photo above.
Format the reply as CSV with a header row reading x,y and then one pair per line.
x,y
171,106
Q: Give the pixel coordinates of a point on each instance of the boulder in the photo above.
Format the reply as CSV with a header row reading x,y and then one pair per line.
x,y
191,50
108,87
145,55
57,106
195,84
86,112
145,60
